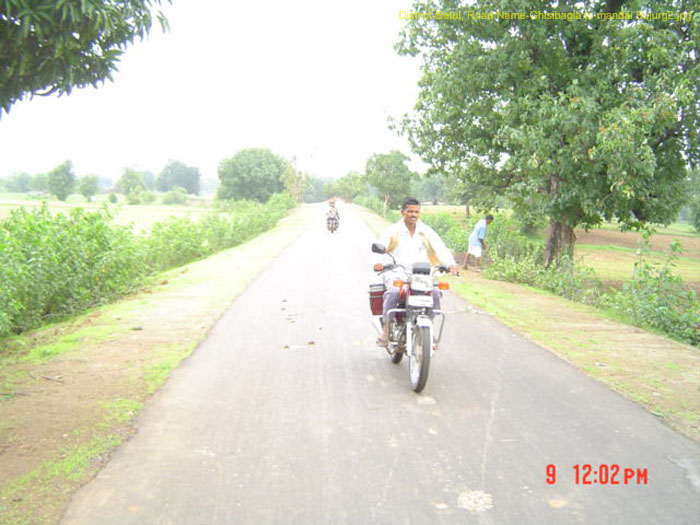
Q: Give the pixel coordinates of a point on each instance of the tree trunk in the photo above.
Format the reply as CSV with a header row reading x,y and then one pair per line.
x,y
560,240
386,204
466,209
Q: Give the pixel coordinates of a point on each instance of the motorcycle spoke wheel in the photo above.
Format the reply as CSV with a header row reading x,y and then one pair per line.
x,y
419,361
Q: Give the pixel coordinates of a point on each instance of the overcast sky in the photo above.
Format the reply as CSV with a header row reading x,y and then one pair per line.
x,y
312,79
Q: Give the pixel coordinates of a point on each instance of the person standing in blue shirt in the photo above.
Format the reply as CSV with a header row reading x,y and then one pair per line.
x,y
477,244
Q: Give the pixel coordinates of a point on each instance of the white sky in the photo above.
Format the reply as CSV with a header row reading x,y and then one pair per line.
x,y
312,79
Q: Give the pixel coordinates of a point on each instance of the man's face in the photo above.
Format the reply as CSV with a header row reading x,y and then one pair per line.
x,y
411,214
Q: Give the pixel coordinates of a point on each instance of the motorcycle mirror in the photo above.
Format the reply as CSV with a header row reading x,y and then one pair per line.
x,y
378,248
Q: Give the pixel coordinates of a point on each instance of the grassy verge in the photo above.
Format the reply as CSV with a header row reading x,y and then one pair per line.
x,y
616,263
654,371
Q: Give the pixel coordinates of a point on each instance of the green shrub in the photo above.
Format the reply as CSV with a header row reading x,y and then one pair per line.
x,y
177,195
148,197
173,242
57,265
655,298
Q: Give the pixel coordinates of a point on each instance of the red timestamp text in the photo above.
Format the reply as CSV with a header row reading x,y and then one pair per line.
x,y
602,474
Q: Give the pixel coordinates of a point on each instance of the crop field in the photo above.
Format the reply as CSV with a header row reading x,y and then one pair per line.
x,y
140,217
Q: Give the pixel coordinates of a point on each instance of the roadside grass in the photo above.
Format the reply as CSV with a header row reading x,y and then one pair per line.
x,y
616,263
656,372
164,361
81,453
675,228
47,488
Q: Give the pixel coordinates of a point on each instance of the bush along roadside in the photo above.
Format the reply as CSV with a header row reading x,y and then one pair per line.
x,y
52,266
653,298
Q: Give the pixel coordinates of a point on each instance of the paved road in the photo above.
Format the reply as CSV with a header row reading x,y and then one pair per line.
x,y
287,413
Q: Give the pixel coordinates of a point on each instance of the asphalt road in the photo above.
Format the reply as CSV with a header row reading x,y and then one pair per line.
x,y
288,413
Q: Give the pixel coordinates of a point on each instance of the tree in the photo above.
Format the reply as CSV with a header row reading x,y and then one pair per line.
x,y
40,182
178,174
350,186
252,173
130,181
18,183
459,190
316,190
584,120
295,182
87,186
149,180
391,176
61,180
49,46
693,192
430,187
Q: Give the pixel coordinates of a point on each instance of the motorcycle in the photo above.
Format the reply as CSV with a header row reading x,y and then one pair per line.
x,y
411,325
332,222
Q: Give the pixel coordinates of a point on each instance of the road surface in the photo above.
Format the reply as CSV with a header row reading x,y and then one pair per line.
x,y
288,413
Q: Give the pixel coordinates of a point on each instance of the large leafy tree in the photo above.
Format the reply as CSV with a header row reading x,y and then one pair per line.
x,y
52,46
585,120
390,175
61,180
252,173
178,174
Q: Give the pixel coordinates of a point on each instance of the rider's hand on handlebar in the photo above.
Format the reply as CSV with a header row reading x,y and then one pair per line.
x,y
454,269
378,267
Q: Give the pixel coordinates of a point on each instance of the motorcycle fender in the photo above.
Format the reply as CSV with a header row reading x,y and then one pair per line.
x,y
424,322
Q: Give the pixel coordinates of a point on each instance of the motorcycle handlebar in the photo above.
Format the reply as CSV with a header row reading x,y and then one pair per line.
x,y
442,268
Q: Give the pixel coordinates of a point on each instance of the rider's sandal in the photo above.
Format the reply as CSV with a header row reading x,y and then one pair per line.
x,y
381,342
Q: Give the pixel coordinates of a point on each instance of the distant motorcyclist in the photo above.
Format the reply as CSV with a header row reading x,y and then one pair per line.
x,y
332,209
410,241
332,216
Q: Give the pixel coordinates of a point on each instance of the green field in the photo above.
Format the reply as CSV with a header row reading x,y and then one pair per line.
x,y
141,217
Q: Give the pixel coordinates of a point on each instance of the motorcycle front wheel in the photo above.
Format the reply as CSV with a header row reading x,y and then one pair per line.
x,y
419,362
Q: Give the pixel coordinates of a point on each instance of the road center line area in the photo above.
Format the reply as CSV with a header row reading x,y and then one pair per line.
x,y
289,413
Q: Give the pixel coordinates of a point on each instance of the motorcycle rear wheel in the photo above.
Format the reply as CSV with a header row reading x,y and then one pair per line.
x,y
419,362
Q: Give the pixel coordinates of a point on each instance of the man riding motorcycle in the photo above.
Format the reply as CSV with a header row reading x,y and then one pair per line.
x,y
409,241
332,216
